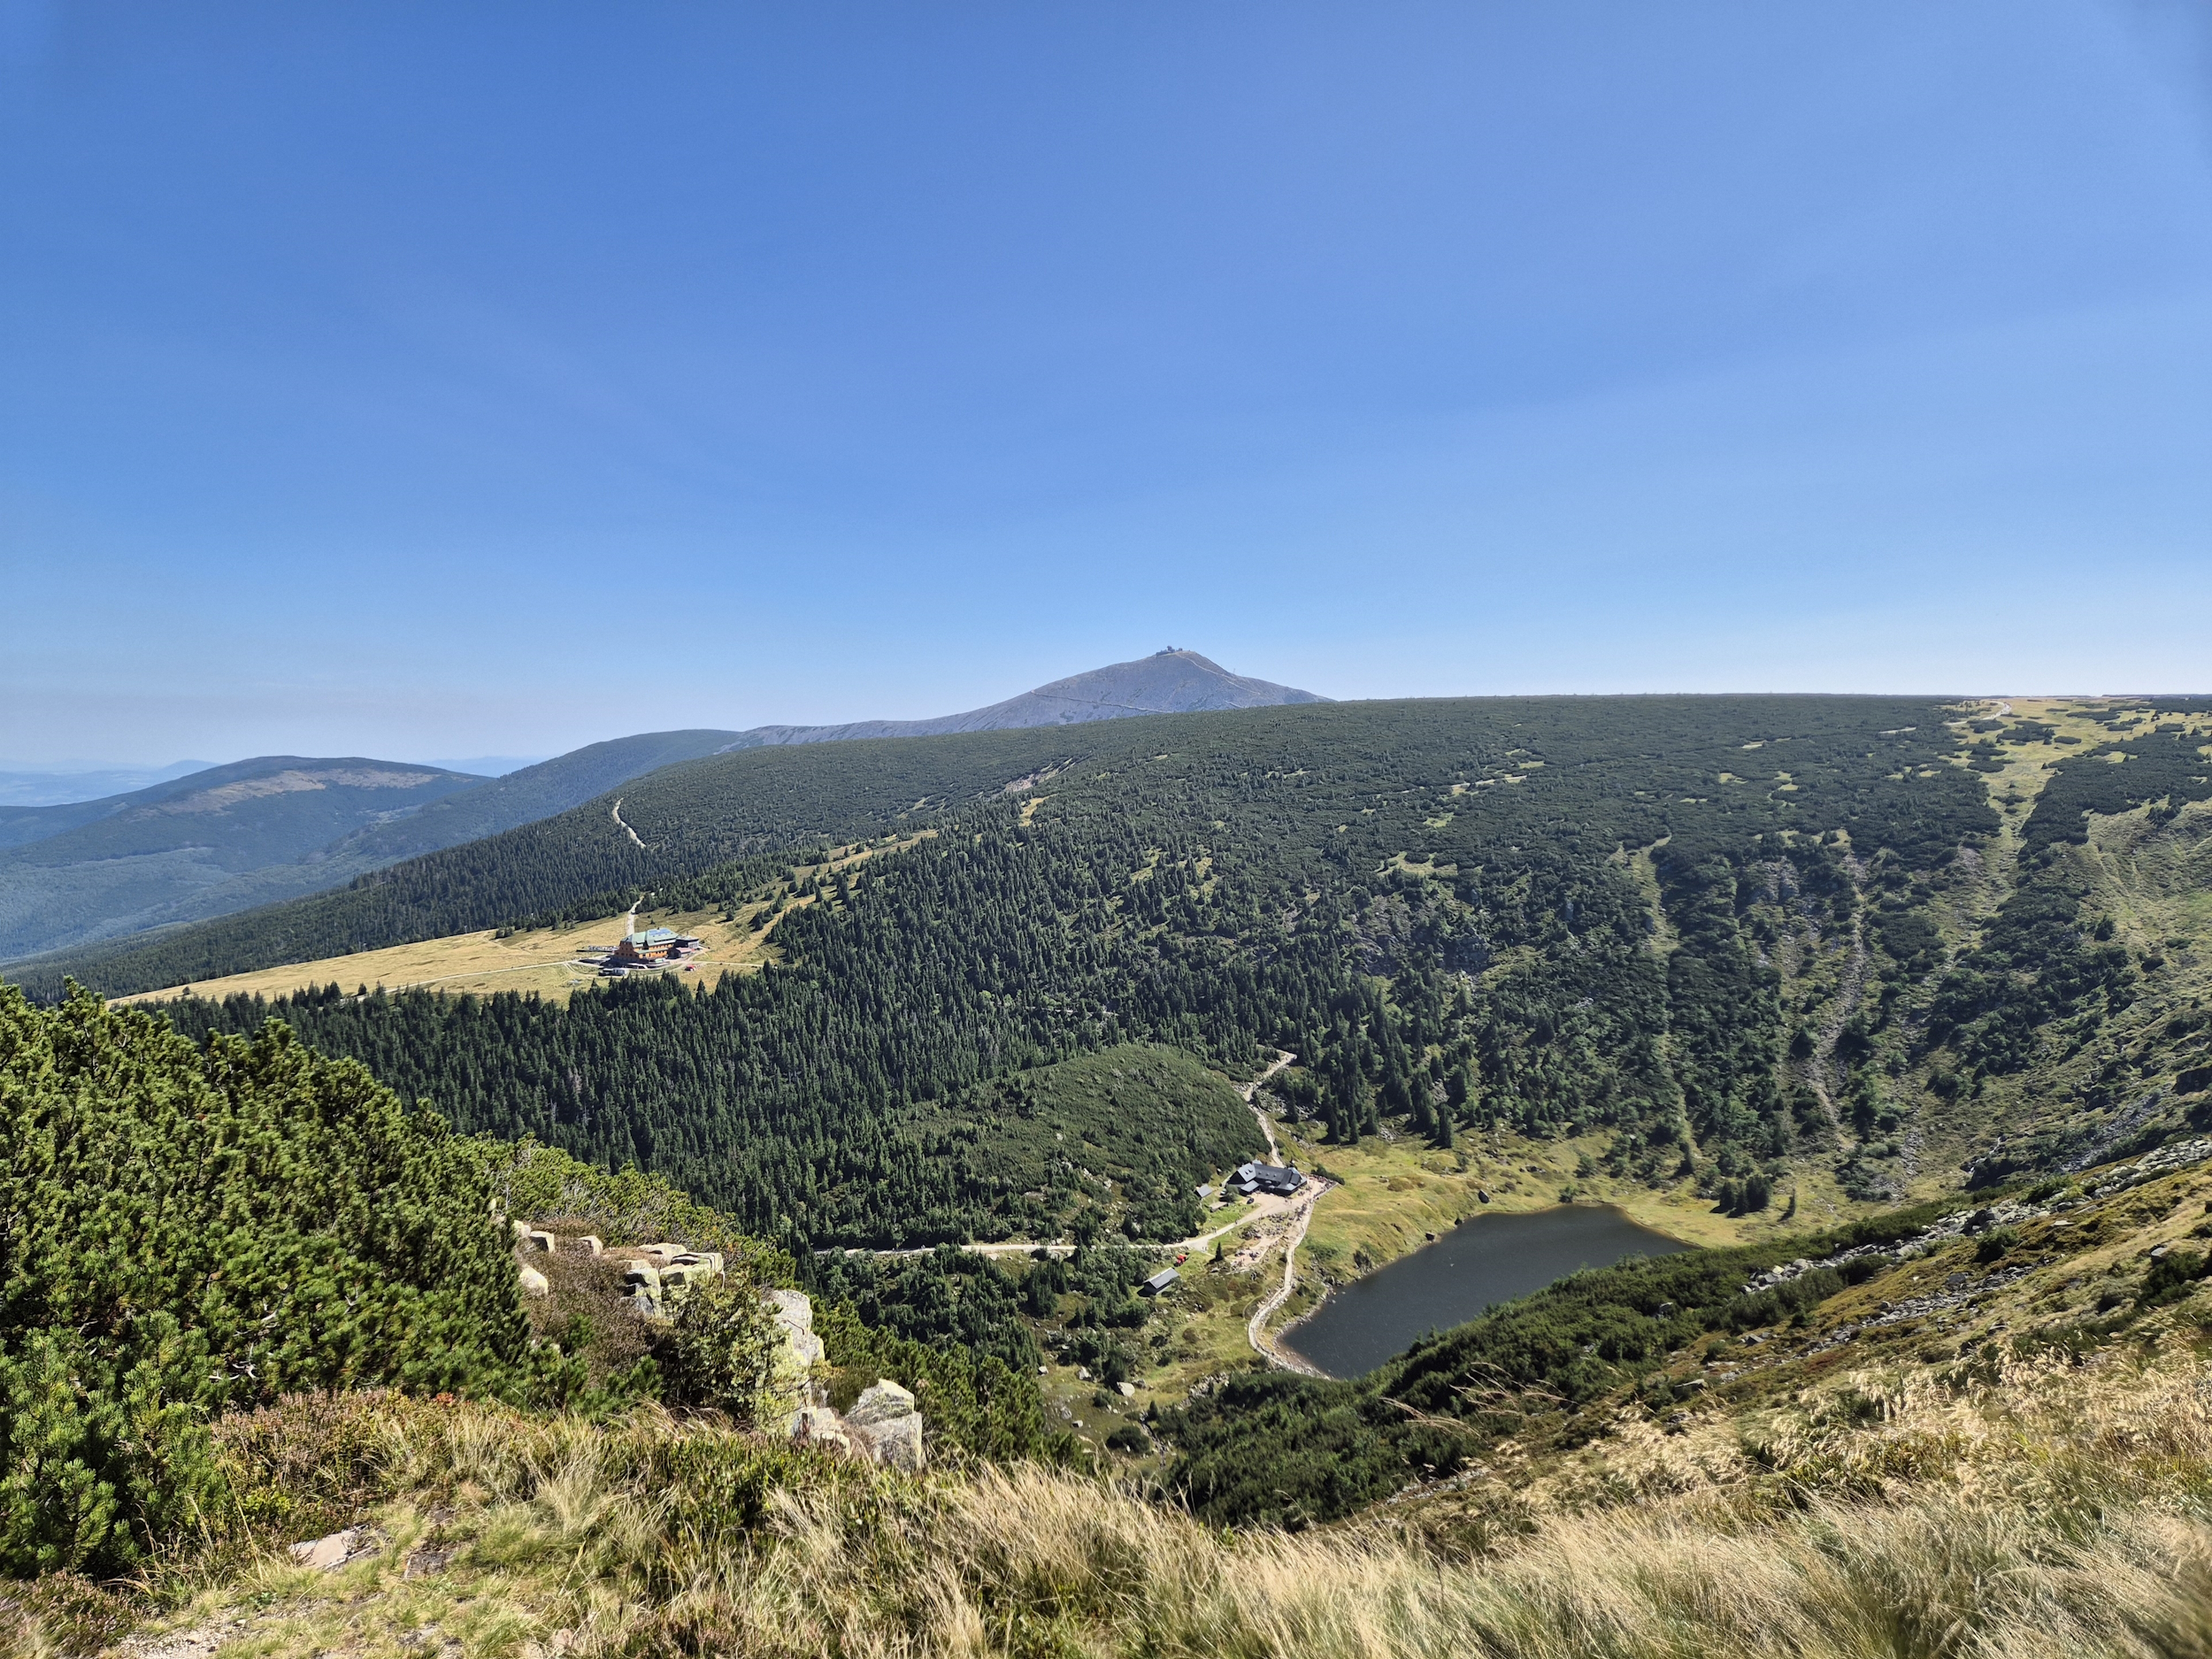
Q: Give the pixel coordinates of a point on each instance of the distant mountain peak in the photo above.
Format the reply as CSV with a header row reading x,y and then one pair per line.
x,y
1169,681
280,825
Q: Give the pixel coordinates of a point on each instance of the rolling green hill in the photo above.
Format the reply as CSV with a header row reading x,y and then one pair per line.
x,y
532,792
769,801
481,888
1864,949
1538,895
212,842
261,832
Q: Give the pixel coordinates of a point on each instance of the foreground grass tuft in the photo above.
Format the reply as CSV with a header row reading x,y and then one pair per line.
x,y
2048,1510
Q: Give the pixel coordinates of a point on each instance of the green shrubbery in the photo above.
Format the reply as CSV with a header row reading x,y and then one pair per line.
x,y
720,1352
946,1298
184,1230
187,1231
976,1405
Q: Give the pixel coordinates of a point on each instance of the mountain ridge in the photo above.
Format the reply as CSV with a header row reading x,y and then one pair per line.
x,y
61,915
211,843
1201,686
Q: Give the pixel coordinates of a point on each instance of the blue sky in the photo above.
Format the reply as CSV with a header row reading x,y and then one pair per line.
x,y
424,380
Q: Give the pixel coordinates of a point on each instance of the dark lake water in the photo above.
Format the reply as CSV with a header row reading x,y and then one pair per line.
x,y
1489,1260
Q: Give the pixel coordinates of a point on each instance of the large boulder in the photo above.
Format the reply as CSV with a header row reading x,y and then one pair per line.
x,y
798,1351
888,1422
796,1314
687,1273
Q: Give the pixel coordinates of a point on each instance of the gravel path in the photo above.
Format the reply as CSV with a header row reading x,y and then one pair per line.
x,y
1262,1344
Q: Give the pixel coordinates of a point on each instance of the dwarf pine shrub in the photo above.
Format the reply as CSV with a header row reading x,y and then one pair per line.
x,y
185,1230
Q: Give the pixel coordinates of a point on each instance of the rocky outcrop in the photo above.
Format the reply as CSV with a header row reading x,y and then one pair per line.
x,y
656,1277
885,1424
796,1314
642,1290
822,1428
887,1420
798,1351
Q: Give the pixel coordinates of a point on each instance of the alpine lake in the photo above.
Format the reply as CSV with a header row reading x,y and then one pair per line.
x,y
1485,1261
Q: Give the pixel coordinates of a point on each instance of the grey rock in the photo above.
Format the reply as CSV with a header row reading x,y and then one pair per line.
x,y
887,1419
326,1554
798,1351
820,1427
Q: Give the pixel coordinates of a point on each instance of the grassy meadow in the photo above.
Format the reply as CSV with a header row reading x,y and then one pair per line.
x,y
543,961
2046,1509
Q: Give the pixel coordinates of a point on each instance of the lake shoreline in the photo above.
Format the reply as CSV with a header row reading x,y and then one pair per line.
x,y
1482,1262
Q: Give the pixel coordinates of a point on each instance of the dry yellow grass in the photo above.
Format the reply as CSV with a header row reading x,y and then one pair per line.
x,y
2057,1511
544,960
1398,1191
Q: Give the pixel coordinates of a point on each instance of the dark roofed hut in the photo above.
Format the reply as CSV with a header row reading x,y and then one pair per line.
x,y
1280,1179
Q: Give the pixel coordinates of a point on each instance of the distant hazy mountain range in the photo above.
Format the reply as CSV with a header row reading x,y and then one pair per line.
x,y
231,837
203,845
59,786
1171,682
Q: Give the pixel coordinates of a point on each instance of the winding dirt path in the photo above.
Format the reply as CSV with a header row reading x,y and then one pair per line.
x,y
1251,1091
1255,1331
625,828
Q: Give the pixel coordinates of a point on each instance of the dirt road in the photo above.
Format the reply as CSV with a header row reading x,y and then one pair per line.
x,y
1255,1332
1250,1091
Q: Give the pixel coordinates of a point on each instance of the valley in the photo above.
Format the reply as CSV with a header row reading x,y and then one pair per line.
x,y
2014,1386
1889,1012
741,1052
1786,1008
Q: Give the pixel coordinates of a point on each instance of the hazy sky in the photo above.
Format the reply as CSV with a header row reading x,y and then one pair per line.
x,y
436,380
